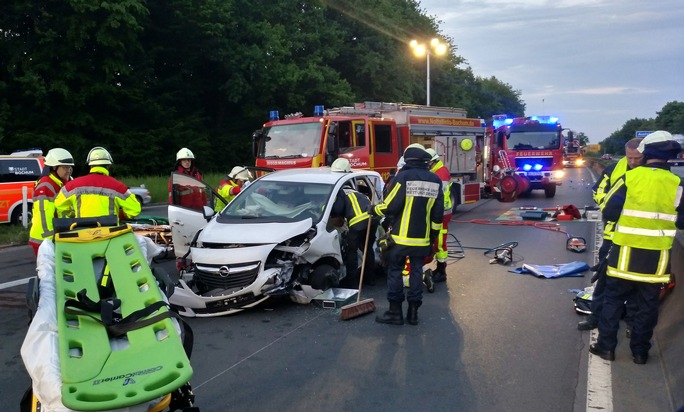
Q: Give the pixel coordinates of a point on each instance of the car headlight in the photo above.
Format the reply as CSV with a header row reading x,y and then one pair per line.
x,y
558,174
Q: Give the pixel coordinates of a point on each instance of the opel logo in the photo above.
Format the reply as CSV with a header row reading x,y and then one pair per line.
x,y
224,271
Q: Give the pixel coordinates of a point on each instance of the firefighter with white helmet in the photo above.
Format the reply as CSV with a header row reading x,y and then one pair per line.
x,y
186,196
416,203
648,205
441,253
232,185
59,165
97,193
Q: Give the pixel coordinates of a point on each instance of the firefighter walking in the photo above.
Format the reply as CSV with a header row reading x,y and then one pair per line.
x,y
415,202
648,206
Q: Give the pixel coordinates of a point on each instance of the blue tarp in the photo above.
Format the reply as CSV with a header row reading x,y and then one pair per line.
x,y
553,271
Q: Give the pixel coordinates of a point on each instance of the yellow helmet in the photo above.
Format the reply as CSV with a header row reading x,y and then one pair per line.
x,y
99,156
58,157
184,153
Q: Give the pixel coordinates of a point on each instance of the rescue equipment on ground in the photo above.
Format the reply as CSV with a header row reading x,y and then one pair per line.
x,y
571,269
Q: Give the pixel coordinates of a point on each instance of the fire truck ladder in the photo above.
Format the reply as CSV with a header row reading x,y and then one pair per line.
x,y
505,161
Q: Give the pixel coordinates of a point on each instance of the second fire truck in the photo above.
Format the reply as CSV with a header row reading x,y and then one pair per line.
x,y
373,135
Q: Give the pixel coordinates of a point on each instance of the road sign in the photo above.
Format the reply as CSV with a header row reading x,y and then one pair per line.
x,y
643,133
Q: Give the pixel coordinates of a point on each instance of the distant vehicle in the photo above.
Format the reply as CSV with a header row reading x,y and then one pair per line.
x,y
17,171
142,194
607,157
274,238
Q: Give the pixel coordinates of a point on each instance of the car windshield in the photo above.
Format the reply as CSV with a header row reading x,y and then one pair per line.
x,y
534,140
278,201
292,140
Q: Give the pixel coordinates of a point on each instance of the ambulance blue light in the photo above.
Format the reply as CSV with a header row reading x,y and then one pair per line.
x,y
318,110
527,167
273,115
538,167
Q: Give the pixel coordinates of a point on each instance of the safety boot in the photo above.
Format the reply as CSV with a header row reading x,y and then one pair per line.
x,y
439,274
393,316
412,313
427,281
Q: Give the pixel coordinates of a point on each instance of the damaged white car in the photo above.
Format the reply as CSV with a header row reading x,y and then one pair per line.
x,y
275,237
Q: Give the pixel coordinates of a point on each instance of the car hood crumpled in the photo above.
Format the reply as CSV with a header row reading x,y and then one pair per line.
x,y
257,233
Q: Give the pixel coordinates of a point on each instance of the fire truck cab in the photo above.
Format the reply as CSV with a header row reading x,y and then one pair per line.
x,y
373,135
527,155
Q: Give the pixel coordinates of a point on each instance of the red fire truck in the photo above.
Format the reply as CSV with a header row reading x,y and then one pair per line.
x,y
373,135
573,152
527,154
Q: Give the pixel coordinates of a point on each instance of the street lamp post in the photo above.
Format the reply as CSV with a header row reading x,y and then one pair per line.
x,y
420,49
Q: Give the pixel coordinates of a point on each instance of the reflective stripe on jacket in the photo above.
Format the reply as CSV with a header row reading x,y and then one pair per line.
x,y
44,195
416,202
228,189
611,175
646,226
96,194
353,206
443,173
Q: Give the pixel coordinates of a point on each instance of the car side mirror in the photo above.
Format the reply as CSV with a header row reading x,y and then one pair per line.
x,y
208,212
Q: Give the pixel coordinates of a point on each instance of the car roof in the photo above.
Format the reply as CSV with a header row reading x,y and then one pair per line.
x,y
315,175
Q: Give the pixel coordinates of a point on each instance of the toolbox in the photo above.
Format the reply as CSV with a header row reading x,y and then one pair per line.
x,y
335,298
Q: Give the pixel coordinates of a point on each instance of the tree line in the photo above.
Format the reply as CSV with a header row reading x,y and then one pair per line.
x,y
146,77
670,118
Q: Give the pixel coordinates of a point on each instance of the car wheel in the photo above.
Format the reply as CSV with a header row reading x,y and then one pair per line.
x,y
323,277
16,215
140,200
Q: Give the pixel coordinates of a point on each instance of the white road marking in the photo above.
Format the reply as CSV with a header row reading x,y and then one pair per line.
x,y
599,379
14,283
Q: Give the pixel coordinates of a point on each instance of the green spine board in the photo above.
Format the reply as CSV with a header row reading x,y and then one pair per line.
x,y
102,378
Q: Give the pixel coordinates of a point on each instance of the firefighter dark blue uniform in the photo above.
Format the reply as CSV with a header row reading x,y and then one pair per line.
x,y
353,207
415,202
648,206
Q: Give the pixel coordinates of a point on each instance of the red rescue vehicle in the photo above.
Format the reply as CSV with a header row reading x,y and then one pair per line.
x,y
527,154
373,135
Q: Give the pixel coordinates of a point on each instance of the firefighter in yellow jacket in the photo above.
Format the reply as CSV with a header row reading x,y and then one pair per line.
x,y
97,194
59,165
648,206
610,176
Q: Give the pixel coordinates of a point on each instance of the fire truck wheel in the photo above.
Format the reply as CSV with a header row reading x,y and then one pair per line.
x,y
550,191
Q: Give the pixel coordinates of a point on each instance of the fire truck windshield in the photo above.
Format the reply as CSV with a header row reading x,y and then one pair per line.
x,y
291,140
529,140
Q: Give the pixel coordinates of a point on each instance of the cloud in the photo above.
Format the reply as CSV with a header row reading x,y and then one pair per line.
x,y
615,90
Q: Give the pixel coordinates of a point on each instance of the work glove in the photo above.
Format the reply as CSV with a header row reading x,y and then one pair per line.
x,y
386,243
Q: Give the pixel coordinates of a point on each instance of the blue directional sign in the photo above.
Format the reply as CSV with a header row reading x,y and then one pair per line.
x,y
643,133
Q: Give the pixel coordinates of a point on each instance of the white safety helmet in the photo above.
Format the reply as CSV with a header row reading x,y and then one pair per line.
x,y
433,154
58,157
659,145
99,156
401,163
184,153
240,173
340,165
